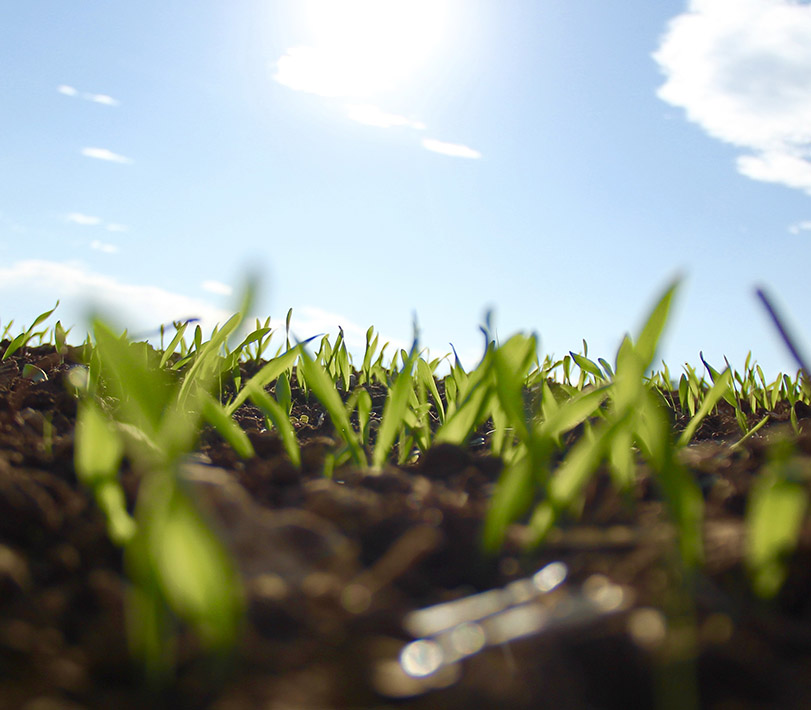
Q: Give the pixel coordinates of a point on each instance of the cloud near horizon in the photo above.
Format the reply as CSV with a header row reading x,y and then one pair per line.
x,y
33,286
217,287
80,290
741,69
104,154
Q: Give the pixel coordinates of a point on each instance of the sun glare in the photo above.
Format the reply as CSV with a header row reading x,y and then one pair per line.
x,y
363,47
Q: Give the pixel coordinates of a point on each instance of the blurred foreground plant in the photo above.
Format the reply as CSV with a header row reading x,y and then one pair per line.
x,y
625,412
177,566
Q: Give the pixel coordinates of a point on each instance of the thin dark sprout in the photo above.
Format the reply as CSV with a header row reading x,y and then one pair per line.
x,y
787,339
159,331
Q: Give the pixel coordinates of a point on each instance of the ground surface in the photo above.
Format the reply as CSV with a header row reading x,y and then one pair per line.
x,y
331,568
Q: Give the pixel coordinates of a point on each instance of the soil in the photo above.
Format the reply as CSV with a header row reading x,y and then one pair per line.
x,y
332,570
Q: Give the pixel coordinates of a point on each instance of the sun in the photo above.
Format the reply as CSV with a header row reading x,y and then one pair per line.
x,y
360,48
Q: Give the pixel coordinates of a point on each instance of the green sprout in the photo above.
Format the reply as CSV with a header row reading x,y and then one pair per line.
x,y
23,339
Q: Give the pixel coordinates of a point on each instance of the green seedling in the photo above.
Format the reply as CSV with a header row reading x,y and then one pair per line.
x,y
277,416
425,376
634,416
526,468
473,393
709,402
394,412
323,387
99,450
24,338
283,393
777,506
588,368
278,366
60,337
523,475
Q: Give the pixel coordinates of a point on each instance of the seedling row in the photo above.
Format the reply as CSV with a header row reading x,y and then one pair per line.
x,y
553,423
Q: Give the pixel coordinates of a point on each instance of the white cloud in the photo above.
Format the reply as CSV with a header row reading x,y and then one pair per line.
x,y
797,227
67,90
103,247
777,166
741,69
83,219
217,287
102,99
104,154
140,308
374,116
455,150
113,227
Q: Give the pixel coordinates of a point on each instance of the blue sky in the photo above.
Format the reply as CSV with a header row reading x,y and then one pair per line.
x,y
557,161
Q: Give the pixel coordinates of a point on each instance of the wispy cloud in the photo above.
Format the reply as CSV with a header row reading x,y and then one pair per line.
x,y
103,247
454,150
11,225
374,116
87,220
217,287
741,69
797,227
95,98
102,99
104,154
83,219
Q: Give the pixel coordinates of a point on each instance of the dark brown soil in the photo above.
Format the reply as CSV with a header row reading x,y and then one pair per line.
x,y
332,567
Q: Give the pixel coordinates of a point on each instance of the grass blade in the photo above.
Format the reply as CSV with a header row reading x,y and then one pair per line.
x,y
394,411
716,393
280,418
773,520
216,415
324,389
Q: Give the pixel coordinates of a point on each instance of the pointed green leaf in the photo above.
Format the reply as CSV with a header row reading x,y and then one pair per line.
x,y
215,414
